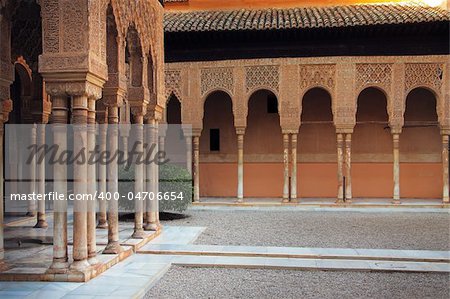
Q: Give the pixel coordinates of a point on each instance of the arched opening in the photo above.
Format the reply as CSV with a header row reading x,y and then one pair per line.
x,y
174,139
263,147
218,147
420,147
317,166
372,174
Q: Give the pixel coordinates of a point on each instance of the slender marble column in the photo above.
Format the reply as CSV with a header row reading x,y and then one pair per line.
x,y
152,219
102,223
240,145
189,153
138,179
31,175
348,167
40,180
59,121
445,166
80,207
196,167
396,166
113,246
91,186
340,166
286,167
294,168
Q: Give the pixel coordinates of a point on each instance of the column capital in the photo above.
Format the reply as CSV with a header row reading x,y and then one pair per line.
x,y
344,129
396,130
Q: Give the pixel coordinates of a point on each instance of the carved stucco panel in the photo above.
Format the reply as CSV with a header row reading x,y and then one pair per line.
x,y
262,77
424,74
318,75
173,83
217,79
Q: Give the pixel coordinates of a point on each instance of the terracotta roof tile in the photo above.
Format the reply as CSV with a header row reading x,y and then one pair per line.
x,y
307,17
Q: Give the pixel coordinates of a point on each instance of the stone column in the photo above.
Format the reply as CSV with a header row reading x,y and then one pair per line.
x,y
91,186
240,145
286,167
80,207
189,154
340,166
102,223
113,246
445,161
348,167
396,166
59,118
196,166
31,176
40,182
294,167
138,172
152,207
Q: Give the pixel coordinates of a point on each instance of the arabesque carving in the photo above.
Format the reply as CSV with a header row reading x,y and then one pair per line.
x,y
265,76
424,74
217,78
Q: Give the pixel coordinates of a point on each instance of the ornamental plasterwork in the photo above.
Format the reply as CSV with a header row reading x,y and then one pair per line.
x,y
423,74
173,83
373,74
317,75
217,78
262,76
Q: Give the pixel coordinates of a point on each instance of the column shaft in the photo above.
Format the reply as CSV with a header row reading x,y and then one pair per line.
x,y
348,167
340,166
240,189
102,223
31,175
91,186
80,207
113,246
138,176
396,166
196,167
294,167
189,154
59,120
152,208
445,166
286,167
40,180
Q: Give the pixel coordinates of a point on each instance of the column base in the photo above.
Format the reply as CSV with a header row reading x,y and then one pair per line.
x,y
295,200
285,200
446,200
239,200
58,267
139,234
348,200
113,248
79,266
41,224
31,214
102,224
340,201
396,201
151,227
92,260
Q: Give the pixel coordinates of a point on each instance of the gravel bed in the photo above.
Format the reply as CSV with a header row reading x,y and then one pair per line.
x,y
180,282
425,231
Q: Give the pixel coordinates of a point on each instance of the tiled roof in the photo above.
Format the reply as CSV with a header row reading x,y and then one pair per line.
x,y
302,18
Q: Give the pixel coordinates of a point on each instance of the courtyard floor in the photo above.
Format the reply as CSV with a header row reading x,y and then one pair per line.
x,y
277,252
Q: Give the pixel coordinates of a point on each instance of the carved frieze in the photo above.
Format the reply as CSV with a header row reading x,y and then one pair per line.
x,y
173,83
217,78
373,74
265,76
423,74
317,75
